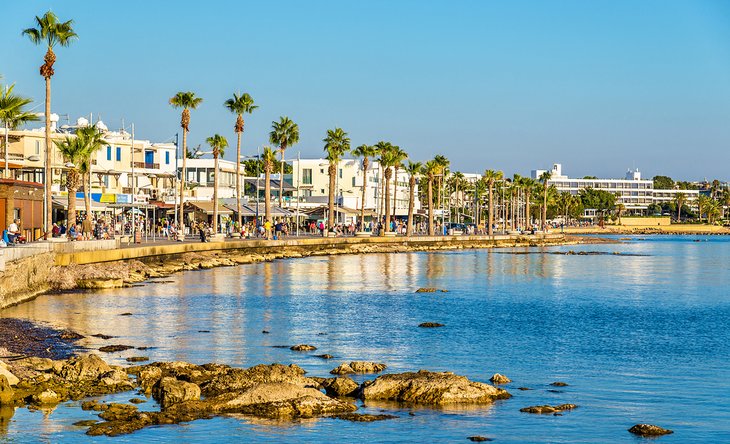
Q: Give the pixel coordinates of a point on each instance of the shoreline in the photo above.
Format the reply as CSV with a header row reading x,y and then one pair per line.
x,y
31,277
676,229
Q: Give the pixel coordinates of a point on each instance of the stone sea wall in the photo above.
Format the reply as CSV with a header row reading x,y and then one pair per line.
x,y
25,279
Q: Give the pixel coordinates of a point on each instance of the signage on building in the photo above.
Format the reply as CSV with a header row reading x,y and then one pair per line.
x,y
141,199
108,198
123,198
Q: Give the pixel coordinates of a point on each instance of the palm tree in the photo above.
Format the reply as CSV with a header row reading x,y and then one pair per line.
x,y
431,170
73,151
456,180
92,139
336,144
680,199
443,164
186,101
49,32
284,133
620,208
398,157
239,105
13,115
268,159
386,161
219,144
366,152
380,147
491,176
544,178
413,169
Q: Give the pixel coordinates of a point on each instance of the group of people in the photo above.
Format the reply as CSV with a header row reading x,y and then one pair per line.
x,y
12,235
87,229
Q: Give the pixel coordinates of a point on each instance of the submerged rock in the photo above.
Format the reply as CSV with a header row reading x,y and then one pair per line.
x,y
430,325
479,438
430,290
325,356
138,359
303,347
169,391
559,384
499,379
649,430
363,417
426,387
114,348
546,409
358,367
85,423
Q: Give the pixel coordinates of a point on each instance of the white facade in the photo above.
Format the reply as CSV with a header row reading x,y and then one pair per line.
x,y
312,178
200,178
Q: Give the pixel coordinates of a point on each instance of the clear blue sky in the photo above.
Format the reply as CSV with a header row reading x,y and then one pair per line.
x,y
598,86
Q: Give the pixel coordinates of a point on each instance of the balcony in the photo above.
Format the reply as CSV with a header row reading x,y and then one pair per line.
x,y
149,166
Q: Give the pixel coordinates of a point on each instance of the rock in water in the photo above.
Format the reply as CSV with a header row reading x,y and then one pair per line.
x,y
559,384
303,347
325,356
430,290
358,367
649,430
543,409
237,379
12,379
363,417
426,387
115,348
430,325
169,391
6,392
46,397
478,438
499,379
84,368
341,386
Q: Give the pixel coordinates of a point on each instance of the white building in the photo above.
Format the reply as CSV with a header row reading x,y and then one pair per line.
x,y
312,178
200,178
635,193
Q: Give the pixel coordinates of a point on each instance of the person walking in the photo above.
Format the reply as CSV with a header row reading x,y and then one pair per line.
x,y
87,228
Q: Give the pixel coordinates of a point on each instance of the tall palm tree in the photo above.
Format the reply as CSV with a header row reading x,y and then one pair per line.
x,y
268,159
387,160
398,157
186,101
381,147
680,199
620,208
491,176
544,179
284,133
49,31
457,181
443,164
219,144
366,152
13,114
92,139
413,169
73,151
703,204
431,170
336,144
239,105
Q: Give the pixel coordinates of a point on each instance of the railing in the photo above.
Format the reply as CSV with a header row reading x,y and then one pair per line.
x,y
149,166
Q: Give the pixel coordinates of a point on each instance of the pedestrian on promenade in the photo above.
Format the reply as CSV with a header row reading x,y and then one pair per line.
x,y
201,232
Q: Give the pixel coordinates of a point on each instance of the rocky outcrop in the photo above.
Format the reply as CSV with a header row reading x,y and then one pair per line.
x,y
236,379
649,430
426,387
303,347
84,368
169,391
499,379
548,409
358,367
6,392
341,386
11,378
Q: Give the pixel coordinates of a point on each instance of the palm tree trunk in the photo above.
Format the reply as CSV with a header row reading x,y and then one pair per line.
x,y
267,195
490,230
215,196
87,191
411,197
181,221
362,204
238,183
528,222
430,208
71,213
281,179
395,189
386,225
543,217
47,170
331,201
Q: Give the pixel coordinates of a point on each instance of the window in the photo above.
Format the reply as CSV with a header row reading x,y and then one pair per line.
x,y
37,147
108,153
167,158
307,193
322,191
119,154
353,181
307,176
340,173
106,181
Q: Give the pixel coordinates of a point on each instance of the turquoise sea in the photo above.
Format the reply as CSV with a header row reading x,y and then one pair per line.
x,y
642,336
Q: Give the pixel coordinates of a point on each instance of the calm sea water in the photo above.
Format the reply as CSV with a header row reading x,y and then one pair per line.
x,y
641,338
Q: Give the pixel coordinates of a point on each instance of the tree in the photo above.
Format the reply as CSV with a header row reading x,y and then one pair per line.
x,y
398,157
413,169
599,200
269,160
491,177
92,139
544,179
239,105
457,180
186,101
49,31
386,161
219,144
366,152
73,151
703,204
443,164
431,170
663,183
679,199
13,114
284,133
336,144
620,208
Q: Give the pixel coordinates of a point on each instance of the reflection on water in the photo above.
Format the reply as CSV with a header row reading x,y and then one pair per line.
x,y
624,331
